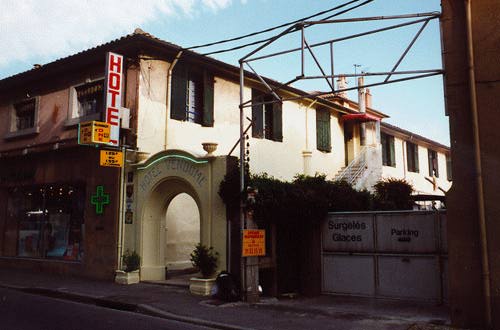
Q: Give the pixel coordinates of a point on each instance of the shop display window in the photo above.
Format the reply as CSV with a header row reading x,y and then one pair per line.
x,y
50,220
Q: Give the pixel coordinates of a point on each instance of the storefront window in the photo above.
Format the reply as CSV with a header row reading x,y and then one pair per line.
x,y
50,221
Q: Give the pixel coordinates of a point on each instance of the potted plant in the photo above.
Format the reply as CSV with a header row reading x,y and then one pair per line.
x,y
204,259
130,273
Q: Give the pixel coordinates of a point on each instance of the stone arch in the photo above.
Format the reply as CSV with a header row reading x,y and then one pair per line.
x,y
157,181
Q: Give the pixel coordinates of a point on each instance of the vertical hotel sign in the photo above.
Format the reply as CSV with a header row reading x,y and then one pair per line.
x,y
114,77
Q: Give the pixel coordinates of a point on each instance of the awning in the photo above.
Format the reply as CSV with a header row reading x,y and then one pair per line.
x,y
360,117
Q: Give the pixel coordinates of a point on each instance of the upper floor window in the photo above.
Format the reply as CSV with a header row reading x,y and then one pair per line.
x,y
90,98
433,163
412,157
192,96
323,130
267,117
86,102
24,114
388,154
23,118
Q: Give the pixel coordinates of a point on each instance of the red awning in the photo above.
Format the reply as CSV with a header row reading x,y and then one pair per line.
x,y
361,117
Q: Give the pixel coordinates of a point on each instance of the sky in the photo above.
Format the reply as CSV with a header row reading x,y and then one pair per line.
x,y
41,31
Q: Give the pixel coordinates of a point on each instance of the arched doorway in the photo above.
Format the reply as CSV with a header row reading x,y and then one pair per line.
x,y
182,231
176,206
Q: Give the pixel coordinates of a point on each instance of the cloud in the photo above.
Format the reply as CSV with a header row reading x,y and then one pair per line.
x,y
44,29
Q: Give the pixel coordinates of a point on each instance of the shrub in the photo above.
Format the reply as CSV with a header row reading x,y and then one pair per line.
x,y
393,194
204,259
131,261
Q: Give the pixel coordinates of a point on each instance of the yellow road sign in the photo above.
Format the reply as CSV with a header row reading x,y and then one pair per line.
x,y
111,158
254,242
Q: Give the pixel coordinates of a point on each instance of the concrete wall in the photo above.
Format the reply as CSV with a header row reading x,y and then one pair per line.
x,y
468,297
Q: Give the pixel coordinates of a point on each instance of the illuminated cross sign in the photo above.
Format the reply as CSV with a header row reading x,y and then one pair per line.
x,y
99,200
114,75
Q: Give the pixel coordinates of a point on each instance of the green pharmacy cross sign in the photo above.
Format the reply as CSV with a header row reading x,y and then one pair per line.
x,y
99,200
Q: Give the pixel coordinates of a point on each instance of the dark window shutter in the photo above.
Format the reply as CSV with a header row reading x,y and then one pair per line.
x,y
179,90
415,157
323,130
208,99
277,122
383,141
392,152
257,115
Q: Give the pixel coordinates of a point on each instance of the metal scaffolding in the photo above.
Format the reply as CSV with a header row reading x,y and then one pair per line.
x,y
306,48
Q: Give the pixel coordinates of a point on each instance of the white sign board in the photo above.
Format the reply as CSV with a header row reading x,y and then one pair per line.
x,y
114,92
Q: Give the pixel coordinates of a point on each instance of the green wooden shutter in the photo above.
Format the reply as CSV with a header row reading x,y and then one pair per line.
x,y
257,115
208,99
392,152
383,141
323,130
277,122
415,158
179,90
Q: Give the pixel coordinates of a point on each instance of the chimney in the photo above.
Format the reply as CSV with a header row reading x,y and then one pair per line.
x,y
342,84
368,98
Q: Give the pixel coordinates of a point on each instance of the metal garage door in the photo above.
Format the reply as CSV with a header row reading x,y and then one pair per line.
x,y
385,254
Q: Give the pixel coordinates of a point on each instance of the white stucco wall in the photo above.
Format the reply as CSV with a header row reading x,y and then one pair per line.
x,y
152,105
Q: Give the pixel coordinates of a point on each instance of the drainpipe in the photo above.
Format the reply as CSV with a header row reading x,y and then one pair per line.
x,y
479,177
169,95
306,154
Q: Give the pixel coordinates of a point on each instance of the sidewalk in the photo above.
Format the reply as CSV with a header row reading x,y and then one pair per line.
x,y
175,302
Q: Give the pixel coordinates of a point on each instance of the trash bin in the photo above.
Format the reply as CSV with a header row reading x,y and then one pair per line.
x,y
227,290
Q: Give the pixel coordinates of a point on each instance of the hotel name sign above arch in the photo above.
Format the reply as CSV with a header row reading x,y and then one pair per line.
x,y
180,165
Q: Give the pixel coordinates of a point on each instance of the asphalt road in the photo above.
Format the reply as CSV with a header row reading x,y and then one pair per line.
x,y
22,311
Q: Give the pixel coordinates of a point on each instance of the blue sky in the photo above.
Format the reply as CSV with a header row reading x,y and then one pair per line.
x,y
40,31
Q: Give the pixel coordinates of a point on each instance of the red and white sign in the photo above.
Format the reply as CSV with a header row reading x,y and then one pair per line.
x,y
114,75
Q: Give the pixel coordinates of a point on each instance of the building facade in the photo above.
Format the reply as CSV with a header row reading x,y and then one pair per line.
x,y
424,163
64,212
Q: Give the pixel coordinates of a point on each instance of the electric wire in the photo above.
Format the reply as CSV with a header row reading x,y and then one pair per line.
x,y
271,28
291,31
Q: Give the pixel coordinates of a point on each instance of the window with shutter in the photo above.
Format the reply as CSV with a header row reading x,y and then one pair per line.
x,y
412,157
267,118
257,114
388,154
192,96
433,163
323,130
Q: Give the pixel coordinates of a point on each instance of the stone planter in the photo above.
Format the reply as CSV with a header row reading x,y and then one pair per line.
x,y
122,277
201,286
209,147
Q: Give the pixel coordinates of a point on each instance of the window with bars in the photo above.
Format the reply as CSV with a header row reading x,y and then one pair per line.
x,y
25,114
267,117
90,98
192,95
323,130
412,157
388,154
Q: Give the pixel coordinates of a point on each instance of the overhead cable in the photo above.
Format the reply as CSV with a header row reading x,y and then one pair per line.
x,y
291,31
271,28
